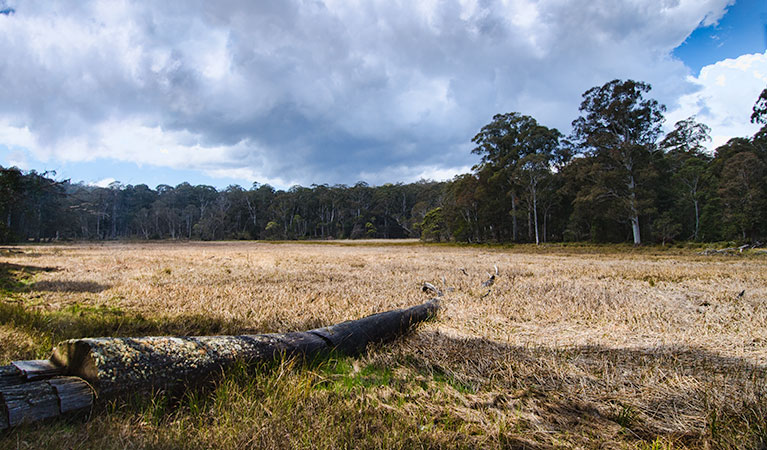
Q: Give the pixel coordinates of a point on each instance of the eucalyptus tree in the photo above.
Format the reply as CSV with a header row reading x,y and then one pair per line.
x,y
684,146
11,192
742,189
619,127
325,209
258,199
519,150
740,166
137,202
759,141
41,206
534,172
361,198
462,208
759,112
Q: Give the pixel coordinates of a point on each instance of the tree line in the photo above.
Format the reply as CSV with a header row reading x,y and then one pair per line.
x,y
35,207
616,178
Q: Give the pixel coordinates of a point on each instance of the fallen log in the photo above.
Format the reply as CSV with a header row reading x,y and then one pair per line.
x,y
36,369
107,367
731,250
25,401
30,402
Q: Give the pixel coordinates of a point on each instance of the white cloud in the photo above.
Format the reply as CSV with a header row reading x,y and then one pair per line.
x,y
727,91
302,91
18,158
102,183
14,136
409,174
250,175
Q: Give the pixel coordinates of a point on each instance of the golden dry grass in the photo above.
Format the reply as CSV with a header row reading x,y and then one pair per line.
x,y
619,350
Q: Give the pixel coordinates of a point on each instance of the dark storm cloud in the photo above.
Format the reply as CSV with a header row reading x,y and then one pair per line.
x,y
316,92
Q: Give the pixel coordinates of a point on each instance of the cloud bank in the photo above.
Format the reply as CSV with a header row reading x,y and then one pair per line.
x,y
725,98
333,91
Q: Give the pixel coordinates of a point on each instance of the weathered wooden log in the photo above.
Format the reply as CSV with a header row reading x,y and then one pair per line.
x,y
24,401
32,390
10,376
30,402
73,393
352,337
37,369
116,365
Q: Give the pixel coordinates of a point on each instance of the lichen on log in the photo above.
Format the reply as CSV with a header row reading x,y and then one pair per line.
x,y
32,390
115,365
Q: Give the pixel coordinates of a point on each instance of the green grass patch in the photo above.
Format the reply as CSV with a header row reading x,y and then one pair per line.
x,y
282,404
339,375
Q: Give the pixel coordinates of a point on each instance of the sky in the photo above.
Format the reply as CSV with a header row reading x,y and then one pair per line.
x,y
305,92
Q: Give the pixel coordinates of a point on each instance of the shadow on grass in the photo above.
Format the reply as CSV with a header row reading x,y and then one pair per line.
x,y
525,397
76,321
49,327
688,396
69,286
6,251
16,277
590,395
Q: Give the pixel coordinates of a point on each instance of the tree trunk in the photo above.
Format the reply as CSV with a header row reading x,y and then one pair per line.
x,y
118,365
513,217
529,223
635,230
39,222
109,367
114,218
697,220
634,214
535,216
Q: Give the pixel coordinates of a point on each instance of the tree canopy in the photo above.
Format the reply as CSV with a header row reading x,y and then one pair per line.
x,y
616,178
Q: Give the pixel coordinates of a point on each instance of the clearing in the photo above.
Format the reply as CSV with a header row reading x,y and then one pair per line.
x,y
572,347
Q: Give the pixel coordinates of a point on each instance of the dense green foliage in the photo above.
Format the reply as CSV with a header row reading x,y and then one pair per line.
x,y
42,209
615,179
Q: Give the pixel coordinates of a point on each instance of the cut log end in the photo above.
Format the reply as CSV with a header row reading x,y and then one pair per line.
x,y
33,401
74,394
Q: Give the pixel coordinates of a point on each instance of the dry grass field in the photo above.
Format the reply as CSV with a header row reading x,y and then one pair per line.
x,y
571,348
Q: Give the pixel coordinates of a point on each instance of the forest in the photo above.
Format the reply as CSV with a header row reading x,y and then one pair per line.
x,y
616,178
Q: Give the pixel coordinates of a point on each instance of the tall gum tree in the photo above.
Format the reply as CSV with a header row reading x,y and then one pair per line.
x,y
620,127
520,150
684,147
